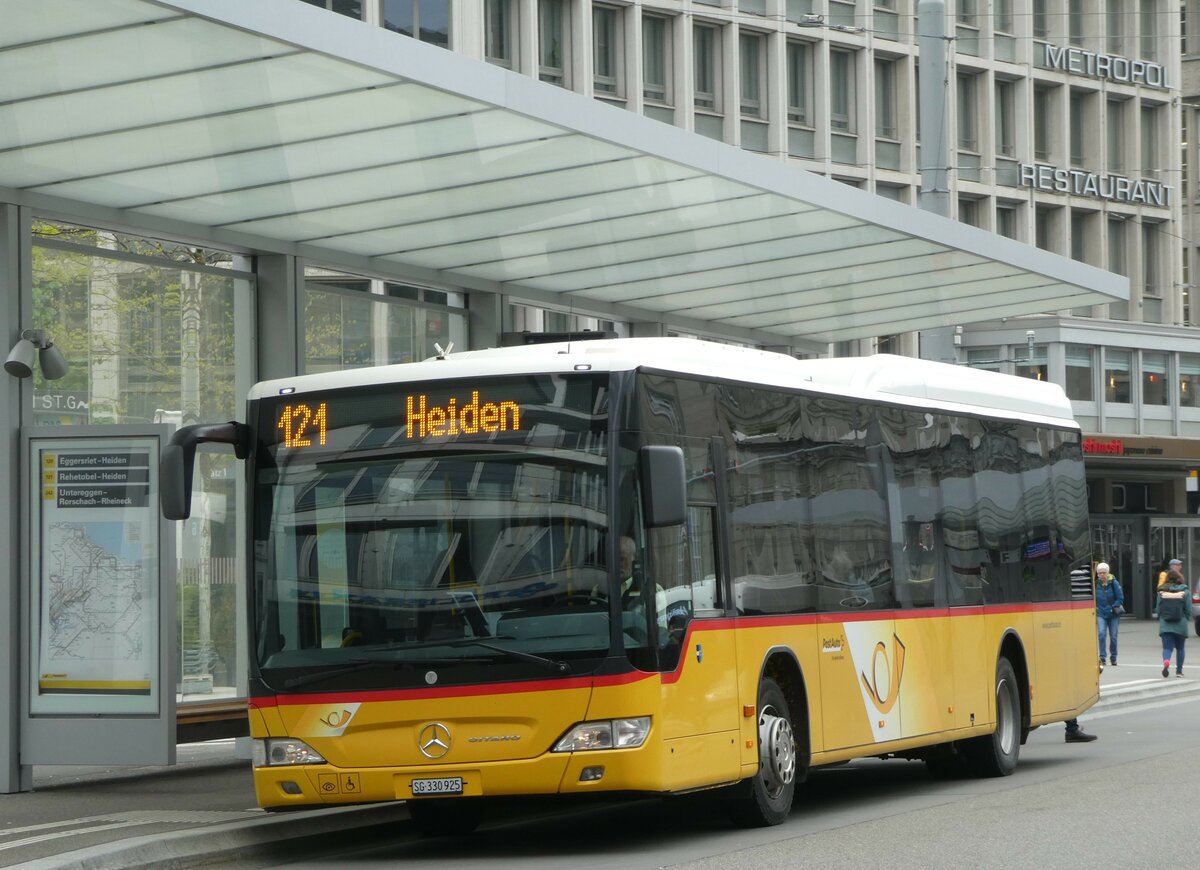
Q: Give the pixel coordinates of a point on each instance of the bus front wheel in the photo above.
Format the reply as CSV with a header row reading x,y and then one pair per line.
x,y
996,754
766,799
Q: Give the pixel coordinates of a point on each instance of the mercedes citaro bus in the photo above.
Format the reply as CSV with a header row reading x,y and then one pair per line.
x,y
650,566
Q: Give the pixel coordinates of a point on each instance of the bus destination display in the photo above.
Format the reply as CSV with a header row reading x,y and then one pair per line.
x,y
302,424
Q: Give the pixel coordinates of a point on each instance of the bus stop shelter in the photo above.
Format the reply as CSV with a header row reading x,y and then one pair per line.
x,y
275,128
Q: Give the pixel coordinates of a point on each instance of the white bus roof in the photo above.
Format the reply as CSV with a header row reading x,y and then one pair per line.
x,y
882,377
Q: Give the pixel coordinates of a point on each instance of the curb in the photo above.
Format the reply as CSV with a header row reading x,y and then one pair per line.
x,y
1145,690
279,837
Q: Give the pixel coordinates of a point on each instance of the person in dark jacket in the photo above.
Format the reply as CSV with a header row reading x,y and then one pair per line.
x,y
1110,599
1174,607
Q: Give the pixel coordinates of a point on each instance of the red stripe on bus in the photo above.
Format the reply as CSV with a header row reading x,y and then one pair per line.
x,y
378,695
695,627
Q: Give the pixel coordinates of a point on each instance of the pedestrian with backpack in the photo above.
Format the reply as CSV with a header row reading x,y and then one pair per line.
x,y
1174,619
1110,604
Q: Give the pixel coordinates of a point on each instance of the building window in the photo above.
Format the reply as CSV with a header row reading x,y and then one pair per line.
x,y
1080,126
427,20
1005,119
752,62
841,14
1031,365
1150,158
841,90
1075,19
1115,138
965,11
706,46
1002,16
1043,138
986,358
1115,26
1080,221
499,29
1041,19
1045,230
656,59
1148,20
799,73
885,99
1080,363
349,8
968,118
1151,272
606,50
968,211
1116,246
1006,221
1154,379
1189,380
552,42
1116,377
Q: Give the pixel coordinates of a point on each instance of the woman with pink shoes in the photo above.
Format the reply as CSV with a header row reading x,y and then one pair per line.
x,y
1174,607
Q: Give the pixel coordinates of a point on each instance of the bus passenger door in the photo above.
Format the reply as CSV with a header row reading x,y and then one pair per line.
x,y
696,649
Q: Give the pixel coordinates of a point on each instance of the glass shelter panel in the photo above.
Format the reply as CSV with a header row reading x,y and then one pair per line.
x,y
158,332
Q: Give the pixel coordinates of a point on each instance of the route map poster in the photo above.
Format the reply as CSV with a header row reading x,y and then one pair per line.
x,y
95,594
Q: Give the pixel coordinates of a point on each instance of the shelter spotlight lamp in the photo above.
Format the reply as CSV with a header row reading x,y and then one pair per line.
x,y
20,359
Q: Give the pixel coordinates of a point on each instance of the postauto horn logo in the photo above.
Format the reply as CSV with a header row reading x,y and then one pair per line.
x,y
884,697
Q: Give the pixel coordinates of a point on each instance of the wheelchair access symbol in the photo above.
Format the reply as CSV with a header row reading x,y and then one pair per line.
x,y
339,783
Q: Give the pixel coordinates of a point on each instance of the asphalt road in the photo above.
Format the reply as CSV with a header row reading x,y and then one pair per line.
x,y
1127,800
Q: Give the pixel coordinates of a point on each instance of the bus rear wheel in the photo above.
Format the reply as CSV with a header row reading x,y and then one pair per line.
x,y
996,754
766,799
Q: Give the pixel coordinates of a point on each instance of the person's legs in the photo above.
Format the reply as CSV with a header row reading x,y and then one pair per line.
x,y
1075,734
1101,632
1180,643
1114,626
1168,644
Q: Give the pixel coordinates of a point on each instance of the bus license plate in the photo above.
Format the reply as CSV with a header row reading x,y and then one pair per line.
x,y
442,785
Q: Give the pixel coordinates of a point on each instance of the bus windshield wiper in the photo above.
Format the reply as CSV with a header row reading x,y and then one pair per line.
x,y
552,664
354,666
360,664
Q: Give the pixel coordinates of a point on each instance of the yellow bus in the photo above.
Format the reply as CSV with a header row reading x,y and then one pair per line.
x,y
651,566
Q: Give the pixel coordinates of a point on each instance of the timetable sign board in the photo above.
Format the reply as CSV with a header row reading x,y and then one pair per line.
x,y
97,576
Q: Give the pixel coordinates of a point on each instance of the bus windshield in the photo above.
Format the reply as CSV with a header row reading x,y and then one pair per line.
x,y
374,557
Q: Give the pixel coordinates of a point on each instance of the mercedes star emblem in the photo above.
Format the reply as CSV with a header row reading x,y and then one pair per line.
x,y
434,740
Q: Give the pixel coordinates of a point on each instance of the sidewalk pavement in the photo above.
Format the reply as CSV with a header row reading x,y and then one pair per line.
x,y
202,811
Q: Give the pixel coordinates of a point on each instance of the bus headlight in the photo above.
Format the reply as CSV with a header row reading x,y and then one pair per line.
x,y
278,752
605,734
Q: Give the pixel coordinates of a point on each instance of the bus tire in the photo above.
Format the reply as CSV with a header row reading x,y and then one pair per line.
x,y
766,798
446,817
996,754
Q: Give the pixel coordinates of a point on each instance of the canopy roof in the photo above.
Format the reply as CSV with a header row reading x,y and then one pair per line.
x,y
280,126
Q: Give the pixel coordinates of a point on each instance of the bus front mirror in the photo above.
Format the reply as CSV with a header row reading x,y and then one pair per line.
x,y
178,461
664,485
175,481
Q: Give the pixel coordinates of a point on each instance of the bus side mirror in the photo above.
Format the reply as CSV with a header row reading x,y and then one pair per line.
x,y
178,462
664,485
